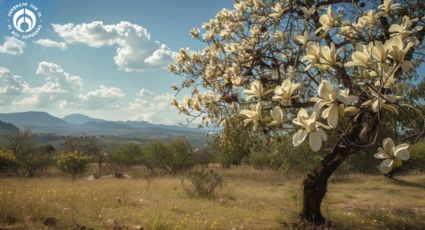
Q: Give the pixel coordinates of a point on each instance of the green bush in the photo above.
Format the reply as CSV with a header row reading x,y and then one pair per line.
x,y
174,157
259,160
125,156
417,158
201,182
72,163
283,155
8,161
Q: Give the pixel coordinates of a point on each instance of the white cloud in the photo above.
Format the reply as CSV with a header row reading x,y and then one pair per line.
x,y
144,92
60,87
99,98
51,44
12,46
61,90
58,79
136,51
154,108
11,86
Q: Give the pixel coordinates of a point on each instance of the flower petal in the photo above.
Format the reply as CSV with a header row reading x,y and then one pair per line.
x,y
401,152
315,141
389,146
381,155
333,116
299,137
386,166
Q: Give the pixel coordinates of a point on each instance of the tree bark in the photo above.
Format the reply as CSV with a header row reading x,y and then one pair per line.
x,y
99,165
316,182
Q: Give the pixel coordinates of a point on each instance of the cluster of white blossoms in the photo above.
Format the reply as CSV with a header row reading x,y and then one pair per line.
x,y
268,71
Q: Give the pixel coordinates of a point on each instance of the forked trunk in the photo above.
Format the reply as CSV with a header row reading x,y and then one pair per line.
x,y
315,185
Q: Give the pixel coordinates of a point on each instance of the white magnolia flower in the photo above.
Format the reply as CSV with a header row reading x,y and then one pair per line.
x,y
311,127
308,12
283,93
313,55
329,54
195,32
333,98
253,116
278,11
388,6
368,20
362,56
327,20
302,39
392,155
403,30
397,50
380,101
277,115
256,90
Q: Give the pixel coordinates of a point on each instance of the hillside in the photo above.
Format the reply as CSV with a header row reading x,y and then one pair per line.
x,y
78,124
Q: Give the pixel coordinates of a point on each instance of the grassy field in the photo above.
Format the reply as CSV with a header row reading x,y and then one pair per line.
x,y
250,199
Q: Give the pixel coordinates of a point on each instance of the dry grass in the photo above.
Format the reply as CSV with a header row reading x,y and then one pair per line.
x,y
250,199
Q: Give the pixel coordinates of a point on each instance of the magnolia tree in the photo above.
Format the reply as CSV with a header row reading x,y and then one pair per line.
x,y
317,70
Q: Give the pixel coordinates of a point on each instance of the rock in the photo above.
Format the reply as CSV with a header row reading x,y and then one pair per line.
x,y
91,177
50,221
111,223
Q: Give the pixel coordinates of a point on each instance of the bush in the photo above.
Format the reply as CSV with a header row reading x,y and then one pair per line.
x,y
417,158
8,161
259,160
174,157
201,182
72,163
125,156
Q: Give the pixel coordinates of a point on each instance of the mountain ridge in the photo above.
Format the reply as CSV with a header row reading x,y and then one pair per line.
x,y
78,124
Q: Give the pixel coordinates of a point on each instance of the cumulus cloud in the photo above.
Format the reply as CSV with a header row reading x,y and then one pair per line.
x,y
12,46
60,87
104,96
144,92
11,86
51,44
59,90
136,51
154,108
57,78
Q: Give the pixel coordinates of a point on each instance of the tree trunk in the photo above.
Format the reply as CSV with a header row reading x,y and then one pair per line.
x,y
100,166
315,185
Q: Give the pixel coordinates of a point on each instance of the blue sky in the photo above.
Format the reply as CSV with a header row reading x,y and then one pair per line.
x,y
98,59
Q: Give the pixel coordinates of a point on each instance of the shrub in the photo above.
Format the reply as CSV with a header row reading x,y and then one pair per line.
x,y
8,161
201,182
259,160
125,156
72,163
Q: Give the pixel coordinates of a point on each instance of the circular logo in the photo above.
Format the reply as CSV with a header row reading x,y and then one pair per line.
x,y
24,20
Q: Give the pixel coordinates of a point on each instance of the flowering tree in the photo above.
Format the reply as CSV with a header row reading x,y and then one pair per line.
x,y
315,69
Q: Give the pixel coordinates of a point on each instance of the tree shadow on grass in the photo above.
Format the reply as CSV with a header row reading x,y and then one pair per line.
x,y
407,183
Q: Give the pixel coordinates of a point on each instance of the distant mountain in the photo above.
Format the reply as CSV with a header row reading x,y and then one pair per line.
x,y
80,119
32,118
6,128
78,124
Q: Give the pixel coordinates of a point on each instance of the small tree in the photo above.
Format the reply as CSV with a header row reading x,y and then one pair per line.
x,y
31,157
234,142
157,154
181,155
299,67
72,163
88,145
126,155
8,161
